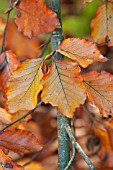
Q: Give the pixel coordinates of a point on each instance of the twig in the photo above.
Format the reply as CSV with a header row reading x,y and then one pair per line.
x,y
78,148
28,113
72,158
39,152
4,34
45,46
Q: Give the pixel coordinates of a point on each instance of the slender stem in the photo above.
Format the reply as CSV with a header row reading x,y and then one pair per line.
x,y
4,34
72,158
78,148
44,47
23,117
63,139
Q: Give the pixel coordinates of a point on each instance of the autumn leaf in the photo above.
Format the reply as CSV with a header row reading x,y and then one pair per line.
x,y
102,24
5,117
62,87
104,130
24,86
7,163
20,141
34,18
23,47
80,50
99,87
9,63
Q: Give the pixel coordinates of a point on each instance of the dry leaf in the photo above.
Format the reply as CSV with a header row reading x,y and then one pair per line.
x,y
102,24
20,141
9,62
62,87
23,47
81,50
34,18
99,87
24,86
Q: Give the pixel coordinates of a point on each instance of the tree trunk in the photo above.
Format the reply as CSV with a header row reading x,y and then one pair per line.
x,y
63,139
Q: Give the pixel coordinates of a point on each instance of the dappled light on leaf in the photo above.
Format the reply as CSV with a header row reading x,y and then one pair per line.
x,y
80,50
62,87
99,87
35,18
24,86
102,24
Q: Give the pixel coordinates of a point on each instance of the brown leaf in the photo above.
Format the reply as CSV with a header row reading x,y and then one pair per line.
x,y
102,24
99,88
24,86
62,87
34,18
20,141
81,50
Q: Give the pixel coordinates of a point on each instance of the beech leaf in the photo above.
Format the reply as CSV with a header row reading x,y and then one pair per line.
x,y
102,24
80,50
34,18
24,86
99,87
20,141
62,87
10,62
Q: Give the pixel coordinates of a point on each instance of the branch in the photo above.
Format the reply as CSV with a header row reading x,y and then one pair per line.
x,y
63,139
78,148
4,33
72,158
23,117
44,47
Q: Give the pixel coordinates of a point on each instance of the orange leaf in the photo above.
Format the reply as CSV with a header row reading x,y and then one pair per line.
x,y
102,24
20,141
34,18
7,163
62,87
4,116
10,63
23,46
99,87
24,86
105,153
81,50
